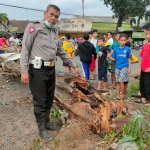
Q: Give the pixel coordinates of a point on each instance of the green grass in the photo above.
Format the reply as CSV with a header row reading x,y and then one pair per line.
x,y
4,103
132,88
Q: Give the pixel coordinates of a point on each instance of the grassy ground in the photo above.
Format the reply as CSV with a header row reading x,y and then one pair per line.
x,y
132,88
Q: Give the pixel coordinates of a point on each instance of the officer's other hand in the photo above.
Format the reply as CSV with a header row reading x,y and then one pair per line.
x,y
25,78
76,70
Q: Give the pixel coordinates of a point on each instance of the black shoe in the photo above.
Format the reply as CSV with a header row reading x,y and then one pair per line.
x,y
41,126
44,134
51,126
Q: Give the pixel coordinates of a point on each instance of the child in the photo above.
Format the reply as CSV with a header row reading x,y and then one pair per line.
x,y
93,40
69,48
102,63
86,50
113,64
145,71
122,56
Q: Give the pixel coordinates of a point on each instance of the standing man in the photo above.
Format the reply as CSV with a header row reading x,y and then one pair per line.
x,y
86,50
69,48
39,48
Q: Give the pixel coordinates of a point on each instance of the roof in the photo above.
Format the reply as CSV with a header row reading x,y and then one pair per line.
x,y
138,35
18,25
106,19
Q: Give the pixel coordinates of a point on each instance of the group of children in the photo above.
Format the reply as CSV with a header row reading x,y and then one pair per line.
x,y
115,57
119,56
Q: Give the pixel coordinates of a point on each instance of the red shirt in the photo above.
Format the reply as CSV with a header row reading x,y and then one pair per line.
x,y
145,54
2,42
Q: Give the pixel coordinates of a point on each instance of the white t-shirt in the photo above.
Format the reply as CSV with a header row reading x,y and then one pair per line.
x,y
16,40
111,41
94,42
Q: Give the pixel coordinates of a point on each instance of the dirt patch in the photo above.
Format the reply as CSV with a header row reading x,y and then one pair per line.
x,y
74,136
17,125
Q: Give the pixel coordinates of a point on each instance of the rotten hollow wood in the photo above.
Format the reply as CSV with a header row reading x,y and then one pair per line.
x,y
11,69
85,103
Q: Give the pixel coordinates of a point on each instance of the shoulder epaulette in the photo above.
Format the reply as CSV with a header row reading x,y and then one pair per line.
x,y
55,30
36,22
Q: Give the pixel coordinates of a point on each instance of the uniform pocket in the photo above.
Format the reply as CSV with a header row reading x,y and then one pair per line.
x,y
44,40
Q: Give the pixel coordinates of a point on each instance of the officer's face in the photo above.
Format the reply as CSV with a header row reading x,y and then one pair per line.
x,y
51,16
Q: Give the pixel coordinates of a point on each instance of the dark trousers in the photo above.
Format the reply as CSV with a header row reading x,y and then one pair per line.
x,y
42,86
145,85
102,74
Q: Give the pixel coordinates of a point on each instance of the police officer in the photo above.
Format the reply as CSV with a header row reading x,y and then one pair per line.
x,y
39,49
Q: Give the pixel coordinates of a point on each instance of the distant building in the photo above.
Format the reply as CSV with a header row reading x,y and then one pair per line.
x,y
78,25
106,23
18,26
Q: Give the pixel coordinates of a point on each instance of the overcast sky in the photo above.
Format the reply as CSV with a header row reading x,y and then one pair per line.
x,y
92,8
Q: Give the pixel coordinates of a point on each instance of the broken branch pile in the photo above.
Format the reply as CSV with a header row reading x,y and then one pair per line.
x,y
11,69
86,103
10,63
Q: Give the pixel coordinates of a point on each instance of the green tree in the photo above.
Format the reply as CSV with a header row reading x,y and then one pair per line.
x,y
123,9
137,21
4,18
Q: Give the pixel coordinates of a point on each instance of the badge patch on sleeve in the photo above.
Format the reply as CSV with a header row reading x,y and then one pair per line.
x,y
31,29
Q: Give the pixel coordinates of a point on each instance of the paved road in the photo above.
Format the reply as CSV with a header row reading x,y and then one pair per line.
x,y
135,67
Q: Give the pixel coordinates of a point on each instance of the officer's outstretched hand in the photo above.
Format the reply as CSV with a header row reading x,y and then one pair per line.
x,y
25,78
76,70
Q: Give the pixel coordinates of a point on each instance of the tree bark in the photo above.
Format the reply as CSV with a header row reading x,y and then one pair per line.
x,y
119,23
86,104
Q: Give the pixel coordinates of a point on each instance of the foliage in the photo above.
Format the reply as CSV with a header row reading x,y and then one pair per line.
x,y
110,136
147,110
4,103
3,17
56,114
36,143
67,137
123,9
145,16
56,142
121,116
136,130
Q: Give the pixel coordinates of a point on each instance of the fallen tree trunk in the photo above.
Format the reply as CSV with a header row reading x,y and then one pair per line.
x,y
85,103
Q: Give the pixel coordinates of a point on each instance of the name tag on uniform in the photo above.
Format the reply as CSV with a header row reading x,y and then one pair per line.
x,y
42,32
49,64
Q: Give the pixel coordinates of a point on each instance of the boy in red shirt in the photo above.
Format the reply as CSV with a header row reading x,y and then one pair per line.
x,y
145,71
